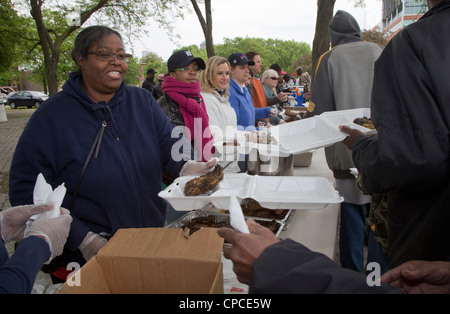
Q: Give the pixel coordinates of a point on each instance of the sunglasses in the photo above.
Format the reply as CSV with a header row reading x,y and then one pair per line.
x,y
274,78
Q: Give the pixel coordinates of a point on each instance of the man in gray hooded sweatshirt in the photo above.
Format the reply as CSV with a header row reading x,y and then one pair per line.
x,y
343,80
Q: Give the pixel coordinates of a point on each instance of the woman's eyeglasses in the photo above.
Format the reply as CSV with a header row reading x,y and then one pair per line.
x,y
274,78
186,69
109,56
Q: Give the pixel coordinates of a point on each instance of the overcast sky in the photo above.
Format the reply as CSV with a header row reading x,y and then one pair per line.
x,y
276,19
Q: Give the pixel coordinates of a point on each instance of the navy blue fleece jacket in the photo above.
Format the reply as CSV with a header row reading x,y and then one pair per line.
x,y
18,273
120,186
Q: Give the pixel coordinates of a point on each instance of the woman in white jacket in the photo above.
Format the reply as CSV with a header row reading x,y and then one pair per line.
x,y
222,117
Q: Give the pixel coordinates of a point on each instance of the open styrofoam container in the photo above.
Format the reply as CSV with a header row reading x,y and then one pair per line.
x,y
306,134
273,192
319,131
244,146
346,117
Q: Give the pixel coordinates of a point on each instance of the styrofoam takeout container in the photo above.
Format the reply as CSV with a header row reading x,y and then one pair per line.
x,y
306,134
278,192
316,132
346,117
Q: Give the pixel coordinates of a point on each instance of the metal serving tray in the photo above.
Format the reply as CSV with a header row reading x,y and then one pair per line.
x,y
222,220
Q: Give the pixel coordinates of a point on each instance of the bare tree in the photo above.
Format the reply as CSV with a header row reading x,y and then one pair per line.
x,y
127,15
321,43
206,25
51,45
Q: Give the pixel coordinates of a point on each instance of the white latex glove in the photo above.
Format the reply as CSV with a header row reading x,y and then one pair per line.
x,y
54,230
13,220
91,244
192,168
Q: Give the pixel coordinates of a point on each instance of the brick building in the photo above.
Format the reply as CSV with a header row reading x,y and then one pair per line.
x,y
398,14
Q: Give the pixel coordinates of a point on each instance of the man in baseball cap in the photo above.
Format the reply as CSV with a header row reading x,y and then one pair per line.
x,y
183,58
238,58
149,82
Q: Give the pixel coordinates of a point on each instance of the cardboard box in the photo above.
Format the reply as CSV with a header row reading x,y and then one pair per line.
x,y
154,260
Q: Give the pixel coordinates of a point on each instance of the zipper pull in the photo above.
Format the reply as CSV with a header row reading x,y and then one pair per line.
x,y
99,138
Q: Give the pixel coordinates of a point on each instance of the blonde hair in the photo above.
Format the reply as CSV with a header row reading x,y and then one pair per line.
x,y
207,76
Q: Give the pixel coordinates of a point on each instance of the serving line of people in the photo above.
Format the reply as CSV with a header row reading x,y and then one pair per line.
x,y
105,140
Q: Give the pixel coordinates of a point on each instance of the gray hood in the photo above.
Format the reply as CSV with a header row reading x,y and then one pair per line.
x,y
343,29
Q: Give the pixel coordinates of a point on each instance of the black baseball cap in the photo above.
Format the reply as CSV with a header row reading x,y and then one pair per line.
x,y
181,59
238,58
152,71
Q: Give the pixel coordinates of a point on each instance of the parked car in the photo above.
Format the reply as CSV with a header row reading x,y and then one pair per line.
x,y
26,98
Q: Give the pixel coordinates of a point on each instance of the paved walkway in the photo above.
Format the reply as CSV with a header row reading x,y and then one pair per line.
x,y
10,132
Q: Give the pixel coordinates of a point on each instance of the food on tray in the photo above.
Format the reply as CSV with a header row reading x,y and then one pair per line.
x,y
365,122
251,208
204,183
260,138
213,221
231,143
290,112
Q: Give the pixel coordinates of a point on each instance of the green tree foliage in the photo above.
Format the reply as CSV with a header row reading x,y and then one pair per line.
x,y
152,60
133,74
7,44
283,52
125,15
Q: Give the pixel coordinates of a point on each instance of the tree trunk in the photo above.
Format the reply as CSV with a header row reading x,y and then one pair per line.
x,y
206,25
50,48
321,43
51,53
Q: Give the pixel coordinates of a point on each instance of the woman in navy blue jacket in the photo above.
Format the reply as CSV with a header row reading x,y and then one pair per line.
x,y
106,141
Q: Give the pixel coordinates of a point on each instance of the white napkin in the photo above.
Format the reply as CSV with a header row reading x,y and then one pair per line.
x,y
237,220
44,194
354,171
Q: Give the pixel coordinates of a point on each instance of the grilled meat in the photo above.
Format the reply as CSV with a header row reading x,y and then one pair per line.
x,y
365,122
204,183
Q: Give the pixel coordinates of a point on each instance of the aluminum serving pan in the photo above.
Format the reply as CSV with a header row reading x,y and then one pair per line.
x,y
251,209
217,220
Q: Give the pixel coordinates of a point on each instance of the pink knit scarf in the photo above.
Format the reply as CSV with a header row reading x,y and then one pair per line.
x,y
196,119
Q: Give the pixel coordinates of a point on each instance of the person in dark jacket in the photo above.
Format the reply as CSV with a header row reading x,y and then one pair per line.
x,y
107,142
185,109
409,159
183,104
157,89
269,265
343,80
38,244
149,82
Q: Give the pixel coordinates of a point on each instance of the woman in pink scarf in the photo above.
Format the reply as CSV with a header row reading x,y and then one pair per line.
x,y
183,103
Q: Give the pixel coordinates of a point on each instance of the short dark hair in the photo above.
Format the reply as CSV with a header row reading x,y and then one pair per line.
x,y
276,67
251,54
88,37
